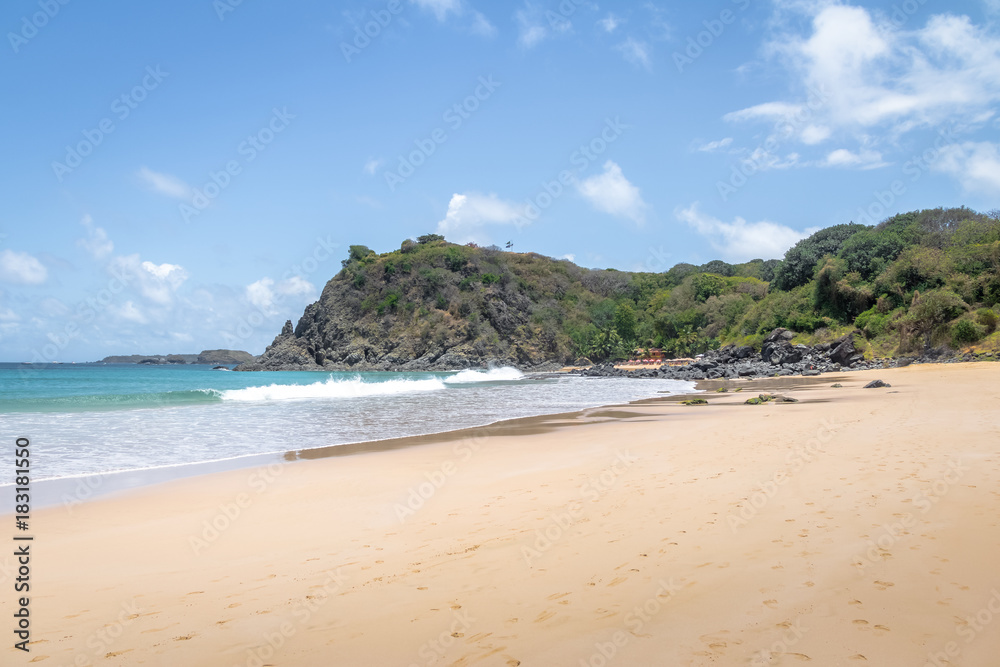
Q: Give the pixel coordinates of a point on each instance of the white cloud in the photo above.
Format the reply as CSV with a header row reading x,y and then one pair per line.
x,y
7,316
156,282
295,286
470,214
610,22
570,256
440,8
766,111
97,242
372,165
762,160
740,240
859,72
635,52
715,145
612,193
265,293
864,159
261,295
975,164
165,184
21,268
815,134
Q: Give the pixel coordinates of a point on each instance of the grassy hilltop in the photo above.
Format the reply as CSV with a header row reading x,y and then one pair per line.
x,y
919,279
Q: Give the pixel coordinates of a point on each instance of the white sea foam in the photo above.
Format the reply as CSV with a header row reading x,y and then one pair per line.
x,y
492,375
332,388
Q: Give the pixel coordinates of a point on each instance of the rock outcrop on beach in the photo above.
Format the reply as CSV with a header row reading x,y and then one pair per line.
x,y
778,358
432,306
221,357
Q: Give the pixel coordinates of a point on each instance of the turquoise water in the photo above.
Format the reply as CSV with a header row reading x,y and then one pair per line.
x,y
92,418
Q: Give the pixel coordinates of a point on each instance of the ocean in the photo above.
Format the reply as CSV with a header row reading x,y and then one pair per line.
x,y
90,419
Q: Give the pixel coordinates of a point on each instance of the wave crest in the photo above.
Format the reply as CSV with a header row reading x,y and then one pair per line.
x,y
331,388
504,374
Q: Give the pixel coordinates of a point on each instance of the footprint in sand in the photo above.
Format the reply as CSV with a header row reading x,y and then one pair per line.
x,y
882,585
881,630
184,638
858,656
544,616
40,658
617,580
115,654
860,621
771,603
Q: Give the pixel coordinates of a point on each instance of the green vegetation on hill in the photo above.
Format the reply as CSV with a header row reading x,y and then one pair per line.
x,y
919,279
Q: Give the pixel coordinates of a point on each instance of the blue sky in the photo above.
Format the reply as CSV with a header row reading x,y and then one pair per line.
x,y
188,175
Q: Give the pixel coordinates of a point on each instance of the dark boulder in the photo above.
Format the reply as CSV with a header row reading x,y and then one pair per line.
x,y
843,352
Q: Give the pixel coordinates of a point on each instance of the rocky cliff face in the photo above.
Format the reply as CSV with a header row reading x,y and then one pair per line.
x,y
425,310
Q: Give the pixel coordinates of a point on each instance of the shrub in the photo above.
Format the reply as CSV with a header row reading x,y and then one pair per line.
x,y
489,278
454,260
388,303
988,319
872,322
966,332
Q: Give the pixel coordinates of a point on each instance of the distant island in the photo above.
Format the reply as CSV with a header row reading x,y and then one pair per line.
x,y
217,357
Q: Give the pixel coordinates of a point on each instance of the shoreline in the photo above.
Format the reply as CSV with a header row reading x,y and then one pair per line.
x,y
76,489
73,490
852,527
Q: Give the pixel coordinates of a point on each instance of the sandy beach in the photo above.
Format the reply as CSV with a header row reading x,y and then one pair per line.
x,y
854,527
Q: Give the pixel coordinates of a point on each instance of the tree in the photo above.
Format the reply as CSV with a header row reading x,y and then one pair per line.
x,y
607,344
800,260
932,309
686,342
356,253
719,267
429,238
706,285
626,322
870,251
